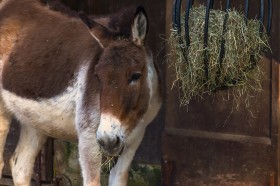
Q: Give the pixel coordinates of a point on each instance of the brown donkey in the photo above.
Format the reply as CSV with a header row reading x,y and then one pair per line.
x,y
74,81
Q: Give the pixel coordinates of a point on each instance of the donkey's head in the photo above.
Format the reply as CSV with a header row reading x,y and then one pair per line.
x,y
128,82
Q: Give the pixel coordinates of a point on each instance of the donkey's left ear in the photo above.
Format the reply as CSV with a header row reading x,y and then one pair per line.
x,y
139,26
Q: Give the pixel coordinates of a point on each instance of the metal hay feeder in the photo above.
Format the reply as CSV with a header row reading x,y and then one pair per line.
x,y
176,19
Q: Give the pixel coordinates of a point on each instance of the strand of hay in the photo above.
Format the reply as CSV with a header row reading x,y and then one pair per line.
x,y
244,47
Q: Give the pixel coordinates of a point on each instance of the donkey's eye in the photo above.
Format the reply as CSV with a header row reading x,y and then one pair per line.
x,y
134,77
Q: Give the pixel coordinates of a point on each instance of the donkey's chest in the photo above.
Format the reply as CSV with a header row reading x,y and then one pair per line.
x,y
55,116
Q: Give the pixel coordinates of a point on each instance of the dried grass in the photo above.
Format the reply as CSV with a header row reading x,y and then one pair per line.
x,y
244,47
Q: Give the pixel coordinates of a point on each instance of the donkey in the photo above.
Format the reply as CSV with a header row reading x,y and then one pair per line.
x,y
74,79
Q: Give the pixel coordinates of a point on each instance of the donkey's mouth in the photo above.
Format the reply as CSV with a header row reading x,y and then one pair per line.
x,y
112,152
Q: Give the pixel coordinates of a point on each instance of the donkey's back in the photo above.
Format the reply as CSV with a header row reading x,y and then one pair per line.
x,y
41,54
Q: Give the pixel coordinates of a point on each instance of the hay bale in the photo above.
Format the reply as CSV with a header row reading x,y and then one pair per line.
x,y
244,46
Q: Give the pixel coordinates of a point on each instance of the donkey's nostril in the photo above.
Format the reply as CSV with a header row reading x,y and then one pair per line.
x,y
101,142
117,141
110,145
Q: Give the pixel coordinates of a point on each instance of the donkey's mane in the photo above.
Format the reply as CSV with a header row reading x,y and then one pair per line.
x,y
119,23
57,6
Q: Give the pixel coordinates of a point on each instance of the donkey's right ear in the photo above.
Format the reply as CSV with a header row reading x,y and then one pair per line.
x,y
139,27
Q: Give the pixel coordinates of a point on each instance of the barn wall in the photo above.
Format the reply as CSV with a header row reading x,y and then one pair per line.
x,y
199,141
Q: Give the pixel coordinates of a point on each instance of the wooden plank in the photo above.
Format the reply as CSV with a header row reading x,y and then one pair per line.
x,y
167,172
275,87
200,161
272,179
217,136
275,116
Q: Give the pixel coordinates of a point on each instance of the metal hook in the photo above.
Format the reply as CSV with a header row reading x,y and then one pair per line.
x,y
228,5
176,15
211,4
208,7
222,52
187,15
269,18
261,15
246,10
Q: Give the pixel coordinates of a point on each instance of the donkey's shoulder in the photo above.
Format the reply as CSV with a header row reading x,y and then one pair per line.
x,y
44,52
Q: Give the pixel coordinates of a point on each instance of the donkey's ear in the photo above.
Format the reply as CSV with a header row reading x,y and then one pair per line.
x,y
139,26
90,23
100,33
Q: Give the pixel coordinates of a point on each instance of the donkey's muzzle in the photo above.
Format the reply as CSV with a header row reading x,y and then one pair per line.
x,y
110,146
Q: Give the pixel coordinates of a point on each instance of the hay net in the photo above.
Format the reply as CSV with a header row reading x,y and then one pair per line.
x,y
239,69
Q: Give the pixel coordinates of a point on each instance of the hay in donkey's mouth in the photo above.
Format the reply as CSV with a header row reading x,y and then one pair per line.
x,y
244,46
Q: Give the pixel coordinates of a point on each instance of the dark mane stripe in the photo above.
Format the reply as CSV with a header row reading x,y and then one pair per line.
x,y
119,23
56,5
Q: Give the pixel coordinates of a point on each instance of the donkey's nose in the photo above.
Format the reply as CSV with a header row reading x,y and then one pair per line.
x,y
110,145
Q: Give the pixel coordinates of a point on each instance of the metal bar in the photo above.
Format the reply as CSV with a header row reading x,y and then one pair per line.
x,y
192,2
176,16
261,14
246,10
212,4
269,18
261,18
222,52
228,5
209,2
187,15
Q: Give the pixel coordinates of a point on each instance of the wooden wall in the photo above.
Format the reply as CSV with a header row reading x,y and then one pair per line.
x,y
208,144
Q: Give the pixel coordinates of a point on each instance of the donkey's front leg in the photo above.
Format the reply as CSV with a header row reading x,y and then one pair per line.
x,y
5,120
23,159
119,173
90,158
